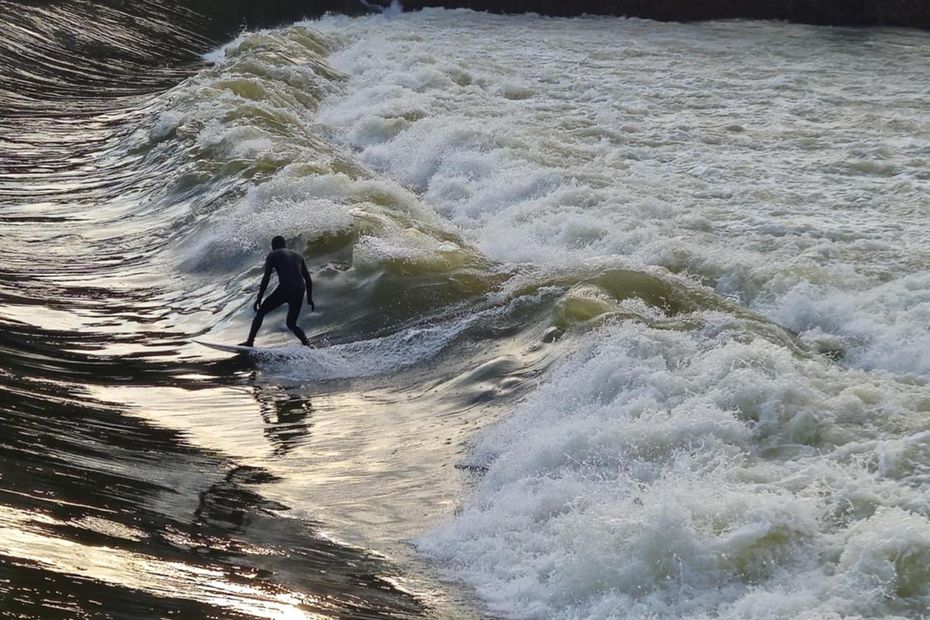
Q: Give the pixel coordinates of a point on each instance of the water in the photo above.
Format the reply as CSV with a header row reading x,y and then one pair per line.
x,y
616,319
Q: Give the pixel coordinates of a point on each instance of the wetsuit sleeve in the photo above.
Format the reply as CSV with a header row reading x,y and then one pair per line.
x,y
307,280
265,278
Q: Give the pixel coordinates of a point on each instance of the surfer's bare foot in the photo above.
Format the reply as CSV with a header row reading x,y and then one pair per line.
x,y
246,344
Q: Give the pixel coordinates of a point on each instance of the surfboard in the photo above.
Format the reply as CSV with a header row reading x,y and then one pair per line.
x,y
283,351
231,348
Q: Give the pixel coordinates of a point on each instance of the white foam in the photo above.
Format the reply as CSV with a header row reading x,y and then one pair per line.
x,y
559,142
165,126
882,328
669,474
376,356
297,207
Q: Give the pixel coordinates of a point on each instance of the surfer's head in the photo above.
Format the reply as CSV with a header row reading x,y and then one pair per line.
x,y
278,242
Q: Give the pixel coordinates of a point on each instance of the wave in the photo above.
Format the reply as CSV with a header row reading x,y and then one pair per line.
x,y
663,473
725,413
686,456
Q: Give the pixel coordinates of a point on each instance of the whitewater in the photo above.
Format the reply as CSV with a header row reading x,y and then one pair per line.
x,y
759,450
618,318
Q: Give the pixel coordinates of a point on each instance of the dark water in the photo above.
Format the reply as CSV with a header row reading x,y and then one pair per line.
x,y
103,514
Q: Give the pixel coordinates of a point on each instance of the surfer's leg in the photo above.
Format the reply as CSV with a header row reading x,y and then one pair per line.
x,y
271,302
293,311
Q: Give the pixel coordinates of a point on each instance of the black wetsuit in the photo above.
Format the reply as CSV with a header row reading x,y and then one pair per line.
x,y
292,277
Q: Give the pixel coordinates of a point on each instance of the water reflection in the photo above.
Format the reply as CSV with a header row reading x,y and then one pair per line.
x,y
105,509
226,503
285,413
97,505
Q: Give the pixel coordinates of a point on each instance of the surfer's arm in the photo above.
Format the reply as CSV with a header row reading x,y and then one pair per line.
x,y
309,283
265,280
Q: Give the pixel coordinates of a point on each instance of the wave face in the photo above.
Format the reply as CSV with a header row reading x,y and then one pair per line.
x,y
662,314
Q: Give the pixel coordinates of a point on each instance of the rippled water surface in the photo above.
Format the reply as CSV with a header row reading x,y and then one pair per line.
x,y
615,319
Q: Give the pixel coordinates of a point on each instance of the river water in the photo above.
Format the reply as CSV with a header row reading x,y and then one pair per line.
x,y
615,319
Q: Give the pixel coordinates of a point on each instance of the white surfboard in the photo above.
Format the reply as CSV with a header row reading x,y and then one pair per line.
x,y
233,348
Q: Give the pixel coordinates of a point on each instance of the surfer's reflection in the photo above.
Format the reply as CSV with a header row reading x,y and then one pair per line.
x,y
285,415
226,504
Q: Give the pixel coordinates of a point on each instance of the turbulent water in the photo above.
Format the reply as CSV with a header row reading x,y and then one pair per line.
x,y
616,319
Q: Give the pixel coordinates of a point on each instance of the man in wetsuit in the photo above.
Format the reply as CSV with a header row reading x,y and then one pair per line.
x,y
292,276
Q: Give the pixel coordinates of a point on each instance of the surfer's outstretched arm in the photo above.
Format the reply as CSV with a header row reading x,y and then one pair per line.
x,y
265,279
309,283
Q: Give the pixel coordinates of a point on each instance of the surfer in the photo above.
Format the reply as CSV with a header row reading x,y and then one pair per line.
x,y
292,276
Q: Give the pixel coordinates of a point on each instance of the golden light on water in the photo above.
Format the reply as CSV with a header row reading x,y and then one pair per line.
x,y
28,537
